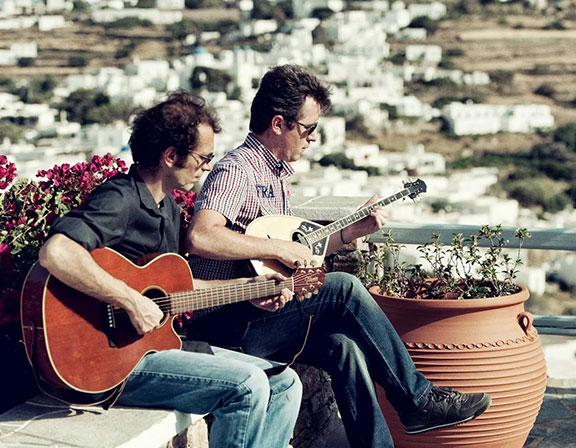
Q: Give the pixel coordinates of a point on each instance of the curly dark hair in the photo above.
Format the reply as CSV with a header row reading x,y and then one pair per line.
x,y
173,122
283,91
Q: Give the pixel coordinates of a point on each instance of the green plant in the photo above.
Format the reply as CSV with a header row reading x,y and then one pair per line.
x,y
460,270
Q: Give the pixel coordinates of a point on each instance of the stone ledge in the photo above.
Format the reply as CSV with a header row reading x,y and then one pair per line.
x,y
45,422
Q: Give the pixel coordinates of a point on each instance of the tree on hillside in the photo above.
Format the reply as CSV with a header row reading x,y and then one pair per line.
x,y
545,90
339,160
566,134
539,192
11,131
214,80
90,106
429,24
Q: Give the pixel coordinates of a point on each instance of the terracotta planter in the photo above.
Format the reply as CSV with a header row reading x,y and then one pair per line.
x,y
476,345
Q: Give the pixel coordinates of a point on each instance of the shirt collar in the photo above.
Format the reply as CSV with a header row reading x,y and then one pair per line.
x,y
144,193
280,168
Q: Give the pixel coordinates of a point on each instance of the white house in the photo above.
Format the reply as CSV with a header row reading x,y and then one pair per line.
x,y
566,269
17,22
330,181
333,130
49,23
101,139
156,16
304,8
477,119
59,5
425,54
258,27
415,159
170,4
433,10
411,106
412,34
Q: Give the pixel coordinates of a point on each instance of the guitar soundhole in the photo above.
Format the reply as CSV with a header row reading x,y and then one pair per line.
x,y
124,332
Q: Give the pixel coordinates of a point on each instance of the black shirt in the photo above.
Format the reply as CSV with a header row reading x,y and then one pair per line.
x,y
122,214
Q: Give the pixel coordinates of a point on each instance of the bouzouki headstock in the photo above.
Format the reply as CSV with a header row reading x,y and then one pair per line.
x,y
307,281
415,188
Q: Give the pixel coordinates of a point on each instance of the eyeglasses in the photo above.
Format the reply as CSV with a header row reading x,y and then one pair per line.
x,y
205,159
310,128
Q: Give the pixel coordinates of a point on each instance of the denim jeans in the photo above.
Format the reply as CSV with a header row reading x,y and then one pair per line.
x,y
350,338
250,410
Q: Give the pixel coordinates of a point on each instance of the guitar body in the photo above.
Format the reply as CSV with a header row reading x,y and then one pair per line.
x,y
287,228
67,337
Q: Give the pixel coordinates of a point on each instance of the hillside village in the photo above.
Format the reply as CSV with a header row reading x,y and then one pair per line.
x,y
356,60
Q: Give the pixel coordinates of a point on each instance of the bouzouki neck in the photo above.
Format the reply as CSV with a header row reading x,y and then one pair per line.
x,y
326,231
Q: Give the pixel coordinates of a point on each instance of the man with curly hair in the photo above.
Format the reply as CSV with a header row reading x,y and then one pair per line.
x,y
172,145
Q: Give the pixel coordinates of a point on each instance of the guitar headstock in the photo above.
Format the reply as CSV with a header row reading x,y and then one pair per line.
x,y
307,281
415,188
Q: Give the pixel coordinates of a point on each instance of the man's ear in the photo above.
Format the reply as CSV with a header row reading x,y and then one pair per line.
x,y
277,123
169,156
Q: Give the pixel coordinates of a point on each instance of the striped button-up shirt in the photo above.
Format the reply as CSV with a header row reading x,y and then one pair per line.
x,y
248,182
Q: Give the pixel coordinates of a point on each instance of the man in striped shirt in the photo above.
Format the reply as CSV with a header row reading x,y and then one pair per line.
x,y
345,332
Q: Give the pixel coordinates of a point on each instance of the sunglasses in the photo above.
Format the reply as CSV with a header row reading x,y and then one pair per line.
x,y
205,159
310,128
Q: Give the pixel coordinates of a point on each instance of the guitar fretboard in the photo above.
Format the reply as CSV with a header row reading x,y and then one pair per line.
x,y
320,234
181,302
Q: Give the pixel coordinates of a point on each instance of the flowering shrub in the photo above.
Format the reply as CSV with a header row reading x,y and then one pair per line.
x,y
28,207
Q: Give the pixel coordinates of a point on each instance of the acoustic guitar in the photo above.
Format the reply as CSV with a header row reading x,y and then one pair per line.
x,y
77,342
314,235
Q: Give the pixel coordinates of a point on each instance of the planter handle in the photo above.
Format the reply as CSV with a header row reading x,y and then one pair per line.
x,y
525,320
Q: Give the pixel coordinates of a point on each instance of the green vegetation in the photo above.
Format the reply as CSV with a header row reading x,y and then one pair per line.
x,y
40,90
128,22
425,22
10,130
26,62
263,9
340,160
198,4
78,61
90,106
542,177
545,90
212,79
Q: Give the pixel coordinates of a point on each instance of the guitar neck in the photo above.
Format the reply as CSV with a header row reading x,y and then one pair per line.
x,y
182,302
336,226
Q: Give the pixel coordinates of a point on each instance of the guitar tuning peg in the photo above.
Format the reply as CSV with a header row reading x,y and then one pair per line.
x,y
299,298
308,295
313,263
315,291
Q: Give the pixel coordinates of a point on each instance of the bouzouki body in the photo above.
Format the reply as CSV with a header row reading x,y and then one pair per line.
x,y
287,228
311,234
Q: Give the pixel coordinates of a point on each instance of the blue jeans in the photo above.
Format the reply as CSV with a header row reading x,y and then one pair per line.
x,y
350,338
250,410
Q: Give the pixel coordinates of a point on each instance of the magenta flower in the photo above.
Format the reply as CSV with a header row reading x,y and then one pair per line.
x,y
29,207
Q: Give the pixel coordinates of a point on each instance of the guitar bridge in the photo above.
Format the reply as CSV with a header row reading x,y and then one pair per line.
x,y
109,323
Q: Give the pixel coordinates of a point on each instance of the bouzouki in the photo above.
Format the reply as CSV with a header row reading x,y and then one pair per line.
x,y
79,343
314,235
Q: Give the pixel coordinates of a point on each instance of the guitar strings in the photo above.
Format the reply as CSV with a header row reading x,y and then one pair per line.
x,y
227,294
